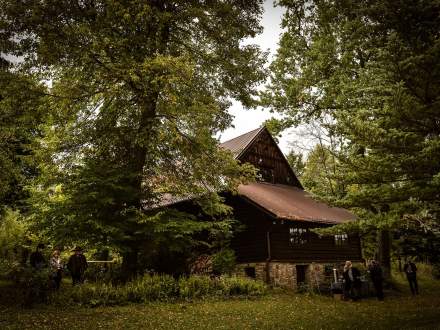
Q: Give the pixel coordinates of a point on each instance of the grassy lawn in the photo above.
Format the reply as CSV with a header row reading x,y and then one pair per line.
x,y
275,311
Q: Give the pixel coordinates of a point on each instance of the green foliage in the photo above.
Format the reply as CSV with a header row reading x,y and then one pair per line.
x,y
12,231
436,271
21,113
151,288
322,175
223,262
14,244
139,90
296,162
375,83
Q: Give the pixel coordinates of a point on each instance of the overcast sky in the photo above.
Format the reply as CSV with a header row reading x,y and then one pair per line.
x,y
247,120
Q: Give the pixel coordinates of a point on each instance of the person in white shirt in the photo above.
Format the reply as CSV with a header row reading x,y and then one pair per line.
x,y
56,267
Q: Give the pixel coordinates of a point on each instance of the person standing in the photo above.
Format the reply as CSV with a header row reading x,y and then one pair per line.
x,y
56,268
36,290
410,270
352,281
77,265
37,259
376,277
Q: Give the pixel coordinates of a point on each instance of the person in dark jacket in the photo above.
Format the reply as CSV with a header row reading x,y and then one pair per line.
x,y
37,259
376,277
77,265
410,270
352,281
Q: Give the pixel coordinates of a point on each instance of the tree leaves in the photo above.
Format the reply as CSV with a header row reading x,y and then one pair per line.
x,y
362,66
138,90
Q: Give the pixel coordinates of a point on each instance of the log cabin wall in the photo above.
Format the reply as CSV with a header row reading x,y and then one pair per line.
x,y
250,244
273,167
288,244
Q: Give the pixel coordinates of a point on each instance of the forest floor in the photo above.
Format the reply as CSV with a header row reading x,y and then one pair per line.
x,y
275,311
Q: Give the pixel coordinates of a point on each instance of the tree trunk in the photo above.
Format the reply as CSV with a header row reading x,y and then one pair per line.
x,y
147,99
129,264
384,255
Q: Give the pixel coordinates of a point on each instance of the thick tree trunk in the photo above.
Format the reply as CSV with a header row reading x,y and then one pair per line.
x,y
384,255
147,99
139,160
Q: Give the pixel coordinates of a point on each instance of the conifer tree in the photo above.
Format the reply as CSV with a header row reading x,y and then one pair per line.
x,y
372,68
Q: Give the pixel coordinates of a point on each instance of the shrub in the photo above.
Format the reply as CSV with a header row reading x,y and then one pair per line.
x,y
436,271
12,244
223,262
159,288
196,286
242,286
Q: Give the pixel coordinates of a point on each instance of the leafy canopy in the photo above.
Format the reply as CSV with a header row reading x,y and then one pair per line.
x,y
138,89
370,70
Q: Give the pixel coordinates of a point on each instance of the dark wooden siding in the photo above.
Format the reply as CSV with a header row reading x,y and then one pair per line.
x,y
264,154
318,249
250,245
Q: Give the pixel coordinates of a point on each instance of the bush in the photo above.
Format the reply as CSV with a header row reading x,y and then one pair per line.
x,y
223,262
159,288
12,243
242,286
436,271
197,286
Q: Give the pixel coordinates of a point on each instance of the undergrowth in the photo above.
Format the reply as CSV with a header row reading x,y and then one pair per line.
x,y
150,288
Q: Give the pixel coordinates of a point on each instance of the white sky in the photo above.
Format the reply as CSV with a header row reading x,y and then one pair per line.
x,y
247,120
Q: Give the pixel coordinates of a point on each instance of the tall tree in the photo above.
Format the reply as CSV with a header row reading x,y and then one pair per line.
x,y
322,175
21,113
296,162
371,66
139,89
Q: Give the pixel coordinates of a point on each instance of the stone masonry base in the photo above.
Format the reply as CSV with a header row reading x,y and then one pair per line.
x,y
289,275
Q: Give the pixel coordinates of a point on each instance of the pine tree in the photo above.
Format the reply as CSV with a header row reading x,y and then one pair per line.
x,y
372,67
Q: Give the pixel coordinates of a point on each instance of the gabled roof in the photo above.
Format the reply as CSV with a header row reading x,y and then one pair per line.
x,y
292,203
281,201
240,143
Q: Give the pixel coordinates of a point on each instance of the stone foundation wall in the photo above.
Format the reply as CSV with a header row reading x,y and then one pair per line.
x,y
260,270
284,274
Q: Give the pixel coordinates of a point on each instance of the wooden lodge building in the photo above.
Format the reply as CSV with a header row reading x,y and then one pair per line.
x,y
276,244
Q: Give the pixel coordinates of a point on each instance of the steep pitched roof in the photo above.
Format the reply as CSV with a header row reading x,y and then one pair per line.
x,y
282,201
292,203
240,143
243,144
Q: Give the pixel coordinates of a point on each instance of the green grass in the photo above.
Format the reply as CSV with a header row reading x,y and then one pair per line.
x,y
275,311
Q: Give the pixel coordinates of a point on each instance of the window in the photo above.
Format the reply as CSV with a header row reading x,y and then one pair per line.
x,y
250,272
266,174
301,271
298,236
341,239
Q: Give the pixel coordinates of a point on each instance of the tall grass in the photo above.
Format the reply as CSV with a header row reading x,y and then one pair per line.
x,y
151,288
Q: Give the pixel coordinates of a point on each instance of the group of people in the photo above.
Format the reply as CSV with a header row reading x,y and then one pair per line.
x,y
76,265
353,284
